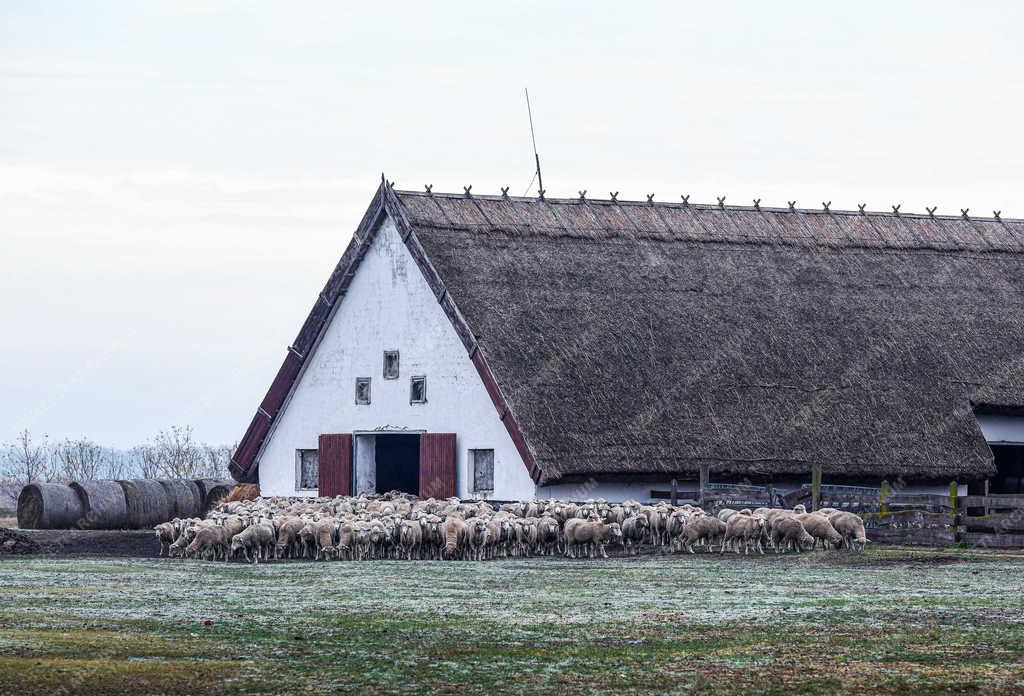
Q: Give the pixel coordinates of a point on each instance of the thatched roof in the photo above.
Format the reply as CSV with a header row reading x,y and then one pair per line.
x,y
652,338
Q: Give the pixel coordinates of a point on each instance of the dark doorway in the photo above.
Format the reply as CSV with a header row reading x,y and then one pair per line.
x,y
398,463
1009,460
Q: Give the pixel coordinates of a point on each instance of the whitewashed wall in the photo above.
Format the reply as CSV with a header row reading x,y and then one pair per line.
x,y
389,306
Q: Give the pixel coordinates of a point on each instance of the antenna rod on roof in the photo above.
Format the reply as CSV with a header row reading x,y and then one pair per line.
x,y
533,138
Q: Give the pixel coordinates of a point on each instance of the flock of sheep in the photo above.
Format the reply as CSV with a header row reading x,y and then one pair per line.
x,y
399,526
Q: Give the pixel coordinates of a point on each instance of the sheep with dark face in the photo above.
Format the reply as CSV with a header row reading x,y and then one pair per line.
x,y
549,535
410,538
433,535
307,540
635,530
478,539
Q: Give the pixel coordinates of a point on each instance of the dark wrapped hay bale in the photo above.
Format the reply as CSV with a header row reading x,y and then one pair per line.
x,y
213,490
48,506
183,497
146,502
103,503
197,498
17,544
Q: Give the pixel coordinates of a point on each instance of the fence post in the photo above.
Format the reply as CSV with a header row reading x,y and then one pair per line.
x,y
883,494
702,483
953,491
675,492
815,488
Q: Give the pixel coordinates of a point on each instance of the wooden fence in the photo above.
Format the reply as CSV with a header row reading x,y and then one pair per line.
x,y
889,515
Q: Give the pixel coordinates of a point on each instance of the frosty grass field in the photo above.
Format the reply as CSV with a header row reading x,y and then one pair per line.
x,y
891,620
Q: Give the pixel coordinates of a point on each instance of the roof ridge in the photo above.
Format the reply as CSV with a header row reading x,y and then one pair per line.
x,y
710,206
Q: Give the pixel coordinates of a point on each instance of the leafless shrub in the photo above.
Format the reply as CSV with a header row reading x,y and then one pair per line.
x,y
79,460
26,460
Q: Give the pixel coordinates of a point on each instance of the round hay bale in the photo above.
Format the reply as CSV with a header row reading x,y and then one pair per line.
x,y
197,498
183,496
213,490
49,506
147,503
104,504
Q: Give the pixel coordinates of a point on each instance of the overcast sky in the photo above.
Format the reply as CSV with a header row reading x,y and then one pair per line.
x,y
178,179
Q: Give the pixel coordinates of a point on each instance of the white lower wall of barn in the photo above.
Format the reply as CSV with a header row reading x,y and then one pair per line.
x,y
612,491
389,306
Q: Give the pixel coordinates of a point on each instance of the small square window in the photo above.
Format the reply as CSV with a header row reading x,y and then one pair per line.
x,y
362,390
307,476
483,470
391,364
418,390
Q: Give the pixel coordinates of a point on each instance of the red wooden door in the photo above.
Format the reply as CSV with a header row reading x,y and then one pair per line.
x,y
437,465
335,465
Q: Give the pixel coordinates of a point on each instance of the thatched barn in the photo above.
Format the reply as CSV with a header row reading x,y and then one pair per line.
x,y
518,347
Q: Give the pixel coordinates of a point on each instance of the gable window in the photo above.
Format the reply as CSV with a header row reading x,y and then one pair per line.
x,y
418,390
307,469
362,390
391,364
482,461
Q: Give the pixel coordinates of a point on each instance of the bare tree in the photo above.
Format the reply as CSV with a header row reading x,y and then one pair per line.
x,y
146,460
119,465
25,461
172,453
216,460
180,455
79,460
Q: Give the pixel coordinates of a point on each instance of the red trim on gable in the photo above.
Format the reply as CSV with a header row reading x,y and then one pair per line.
x,y
282,383
491,385
384,202
247,449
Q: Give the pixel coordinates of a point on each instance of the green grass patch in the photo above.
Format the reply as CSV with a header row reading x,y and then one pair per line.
x,y
888,621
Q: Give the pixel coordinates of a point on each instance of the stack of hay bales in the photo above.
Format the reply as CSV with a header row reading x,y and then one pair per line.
x,y
129,504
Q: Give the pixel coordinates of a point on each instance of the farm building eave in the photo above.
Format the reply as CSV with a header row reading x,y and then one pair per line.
x,y
624,337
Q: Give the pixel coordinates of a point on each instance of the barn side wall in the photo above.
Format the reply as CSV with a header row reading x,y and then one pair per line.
x,y
620,491
390,307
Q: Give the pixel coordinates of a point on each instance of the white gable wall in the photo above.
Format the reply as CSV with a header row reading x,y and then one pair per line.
x,y
389,306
